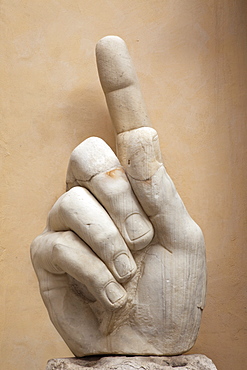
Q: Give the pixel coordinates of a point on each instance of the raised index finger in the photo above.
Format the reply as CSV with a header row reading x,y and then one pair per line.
x,y
120,85
138,148
137,143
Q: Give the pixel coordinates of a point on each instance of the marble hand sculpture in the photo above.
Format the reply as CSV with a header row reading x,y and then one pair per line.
x,y
121,264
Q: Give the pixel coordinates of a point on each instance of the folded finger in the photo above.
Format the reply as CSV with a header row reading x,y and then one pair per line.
x,y
94,165
79,211
64,252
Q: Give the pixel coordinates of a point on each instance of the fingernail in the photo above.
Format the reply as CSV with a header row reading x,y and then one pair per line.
x,y
136,226
122,264
114,292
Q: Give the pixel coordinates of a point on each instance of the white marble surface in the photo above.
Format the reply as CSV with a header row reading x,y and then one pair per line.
x,y
121,264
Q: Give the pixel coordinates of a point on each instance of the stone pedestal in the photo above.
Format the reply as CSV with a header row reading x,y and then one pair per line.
x,y
186,362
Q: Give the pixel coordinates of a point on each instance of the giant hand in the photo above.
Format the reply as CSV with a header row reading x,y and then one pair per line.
x,y
121,264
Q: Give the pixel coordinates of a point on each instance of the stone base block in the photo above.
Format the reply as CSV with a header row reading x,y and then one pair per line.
x,y
183,362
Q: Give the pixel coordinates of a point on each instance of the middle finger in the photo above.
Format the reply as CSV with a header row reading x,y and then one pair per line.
x,y
94,165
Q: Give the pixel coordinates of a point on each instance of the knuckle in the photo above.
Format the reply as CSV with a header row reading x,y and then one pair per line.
x,y
92,156
196,235
139,152
34,247
198,231
66,202
58,251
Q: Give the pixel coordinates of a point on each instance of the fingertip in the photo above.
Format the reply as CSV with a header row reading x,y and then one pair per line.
x,y
124,266
109,41
115,294
115,67
139,230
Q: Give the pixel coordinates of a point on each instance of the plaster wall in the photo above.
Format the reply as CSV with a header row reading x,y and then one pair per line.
x,y
191,58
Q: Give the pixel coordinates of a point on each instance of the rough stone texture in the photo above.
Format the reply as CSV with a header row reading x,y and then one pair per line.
x,y
184,362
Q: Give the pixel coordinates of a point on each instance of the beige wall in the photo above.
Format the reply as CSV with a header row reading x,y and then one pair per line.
x,y
191,57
